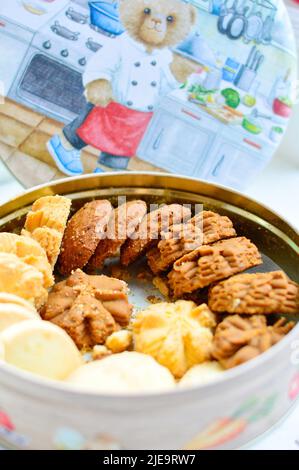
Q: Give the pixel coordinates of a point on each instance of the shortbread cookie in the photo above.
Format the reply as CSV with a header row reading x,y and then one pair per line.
x,y
149,231
212,263
11,314
238,340
260,293
49,211
18,278
205,228
178,335
46,223
29,251
202,374
88,308
128,372
6,298
123,223
82,235
41,348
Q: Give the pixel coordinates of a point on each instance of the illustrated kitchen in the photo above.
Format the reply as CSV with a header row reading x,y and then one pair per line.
x,y
233,108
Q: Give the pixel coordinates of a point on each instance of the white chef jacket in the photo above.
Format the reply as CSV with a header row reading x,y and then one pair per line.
x,y
139,78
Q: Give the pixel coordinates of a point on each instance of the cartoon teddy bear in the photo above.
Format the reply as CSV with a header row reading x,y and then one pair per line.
x,y
124,84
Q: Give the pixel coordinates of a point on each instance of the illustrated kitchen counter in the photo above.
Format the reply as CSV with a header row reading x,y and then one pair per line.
x,y
181,129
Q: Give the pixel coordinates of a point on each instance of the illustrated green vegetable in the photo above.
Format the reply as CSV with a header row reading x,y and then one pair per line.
x,y
201,94
285,100
232,97
251,127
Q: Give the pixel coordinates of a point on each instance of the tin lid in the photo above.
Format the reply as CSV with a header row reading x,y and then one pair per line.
x,y
161,99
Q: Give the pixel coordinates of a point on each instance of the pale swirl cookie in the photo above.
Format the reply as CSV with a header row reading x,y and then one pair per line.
x,y
205,228
260,293
21,279
82,235
29,251
149,231
212,263
178,335
128,372
46,223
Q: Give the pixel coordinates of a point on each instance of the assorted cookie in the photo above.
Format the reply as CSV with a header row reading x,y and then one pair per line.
x,y
11,314
260,293
30,251
84,331
202,374
239,339
212,263
82,235
88,308
178,335
128,372
124,221
205,228
19,278
41,348
150,229
46,223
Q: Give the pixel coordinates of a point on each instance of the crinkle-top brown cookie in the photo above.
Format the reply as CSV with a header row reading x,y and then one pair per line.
x,y
88,308
123,222
260,293
149,231
82,235
205,228
239,339
212,263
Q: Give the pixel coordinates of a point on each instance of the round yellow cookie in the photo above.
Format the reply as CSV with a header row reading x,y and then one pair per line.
x,y
41,348
202,374
11,314
6,298
128,372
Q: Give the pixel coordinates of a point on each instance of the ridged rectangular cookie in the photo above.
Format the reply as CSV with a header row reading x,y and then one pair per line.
x,y
203,229
260,293
212,263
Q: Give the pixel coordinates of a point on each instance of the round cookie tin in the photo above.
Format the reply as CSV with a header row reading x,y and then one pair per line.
x,y
202,88
226,414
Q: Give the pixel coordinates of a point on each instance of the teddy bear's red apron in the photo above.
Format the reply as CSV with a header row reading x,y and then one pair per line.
x,y
115,129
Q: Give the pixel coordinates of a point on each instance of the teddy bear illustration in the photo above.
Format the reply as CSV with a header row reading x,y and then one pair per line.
x,y
125,81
